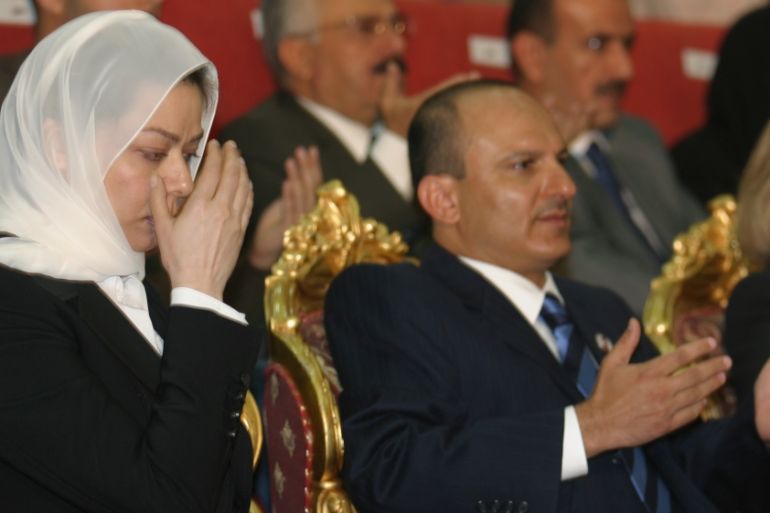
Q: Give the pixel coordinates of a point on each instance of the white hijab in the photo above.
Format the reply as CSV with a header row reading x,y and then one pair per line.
x,y
78,100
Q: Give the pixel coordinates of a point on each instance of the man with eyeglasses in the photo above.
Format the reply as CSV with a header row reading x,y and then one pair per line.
x,y
574,56
340,109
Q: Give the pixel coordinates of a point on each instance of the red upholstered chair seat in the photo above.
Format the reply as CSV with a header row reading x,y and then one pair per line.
x,y
289,442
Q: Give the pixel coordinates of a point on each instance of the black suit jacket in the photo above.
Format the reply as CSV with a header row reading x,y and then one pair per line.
x,y
747,331
92,419
450,398
266,137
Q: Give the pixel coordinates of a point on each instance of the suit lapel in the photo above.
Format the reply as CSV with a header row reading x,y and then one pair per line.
x,y
118,334
157,307
595,327
584,320
375,193
506,321
111,326
498,318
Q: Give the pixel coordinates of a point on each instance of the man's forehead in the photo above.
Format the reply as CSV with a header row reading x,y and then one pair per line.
x,y
594,17
342,8
495,115
490,102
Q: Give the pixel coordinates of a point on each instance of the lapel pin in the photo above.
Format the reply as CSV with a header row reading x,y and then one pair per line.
x,y
604,343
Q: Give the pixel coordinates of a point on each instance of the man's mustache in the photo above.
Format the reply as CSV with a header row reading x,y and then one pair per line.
x,y
553,206
616,88
381,66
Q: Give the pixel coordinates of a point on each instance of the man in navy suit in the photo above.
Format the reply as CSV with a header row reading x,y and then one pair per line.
x,y
479,382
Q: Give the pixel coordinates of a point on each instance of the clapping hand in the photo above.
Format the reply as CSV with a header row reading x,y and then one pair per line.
x,y
303,176
635,403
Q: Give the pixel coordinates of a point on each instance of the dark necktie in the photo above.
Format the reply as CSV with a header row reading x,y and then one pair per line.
x,y
607,178
374,133
580,364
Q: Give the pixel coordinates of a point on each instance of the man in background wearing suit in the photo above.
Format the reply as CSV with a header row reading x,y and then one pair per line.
x,y
51,14
573,56
479,382
340,108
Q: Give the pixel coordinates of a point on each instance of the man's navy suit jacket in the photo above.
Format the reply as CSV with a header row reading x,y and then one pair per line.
x,y
452,401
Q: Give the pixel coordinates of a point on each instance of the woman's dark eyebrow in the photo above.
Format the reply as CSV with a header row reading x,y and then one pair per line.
x,y
174,138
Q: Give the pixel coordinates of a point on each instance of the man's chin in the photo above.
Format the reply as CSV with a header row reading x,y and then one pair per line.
x,y
606,117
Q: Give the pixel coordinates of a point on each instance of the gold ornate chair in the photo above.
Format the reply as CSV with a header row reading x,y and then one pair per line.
x,y
687,301
252,422
303,432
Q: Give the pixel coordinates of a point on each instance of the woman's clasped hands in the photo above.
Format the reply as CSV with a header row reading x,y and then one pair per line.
x,y
199,246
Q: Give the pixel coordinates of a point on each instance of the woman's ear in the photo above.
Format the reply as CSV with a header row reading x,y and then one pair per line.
x,y
438,196
54,145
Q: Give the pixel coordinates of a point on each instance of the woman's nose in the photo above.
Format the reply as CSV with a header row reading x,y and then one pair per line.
x,y
176,177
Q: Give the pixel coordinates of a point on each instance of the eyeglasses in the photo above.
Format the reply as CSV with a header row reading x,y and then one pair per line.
x,y
366,26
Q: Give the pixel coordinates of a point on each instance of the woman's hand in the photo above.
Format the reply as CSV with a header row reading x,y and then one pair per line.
x,y
199,246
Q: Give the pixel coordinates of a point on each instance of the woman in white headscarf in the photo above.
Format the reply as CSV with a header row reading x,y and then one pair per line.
x,y
108,400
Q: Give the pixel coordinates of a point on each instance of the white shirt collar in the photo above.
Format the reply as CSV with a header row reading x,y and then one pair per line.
x,y
579,146
128,294
389,152
353,135
525,295
579,149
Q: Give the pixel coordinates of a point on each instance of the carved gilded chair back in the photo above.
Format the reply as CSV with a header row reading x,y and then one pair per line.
x,y
252,422
304,437
687,301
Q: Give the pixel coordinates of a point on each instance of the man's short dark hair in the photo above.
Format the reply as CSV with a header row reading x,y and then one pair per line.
x,y
531,15
435,138
285,18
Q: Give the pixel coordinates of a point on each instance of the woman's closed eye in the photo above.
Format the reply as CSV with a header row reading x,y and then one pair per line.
x,y
189,156
153,155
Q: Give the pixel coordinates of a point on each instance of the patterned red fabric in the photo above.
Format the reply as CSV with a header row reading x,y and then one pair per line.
x,y
289,443
706,322
312,331
698,323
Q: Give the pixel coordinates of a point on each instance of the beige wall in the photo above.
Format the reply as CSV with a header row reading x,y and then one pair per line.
x,y
717,12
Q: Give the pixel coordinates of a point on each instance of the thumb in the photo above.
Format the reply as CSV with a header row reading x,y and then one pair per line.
x,y
625,346
391,88
160,215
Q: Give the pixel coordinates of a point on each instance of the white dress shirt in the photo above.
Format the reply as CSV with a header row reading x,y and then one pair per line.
x,y
389,150
528,299
128,294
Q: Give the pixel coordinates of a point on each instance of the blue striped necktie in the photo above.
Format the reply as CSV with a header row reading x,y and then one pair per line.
x,y
607,178
581,366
